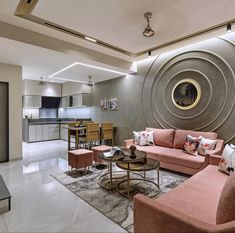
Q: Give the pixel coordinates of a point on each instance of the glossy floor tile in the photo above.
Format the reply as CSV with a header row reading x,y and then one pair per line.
x,y
42,204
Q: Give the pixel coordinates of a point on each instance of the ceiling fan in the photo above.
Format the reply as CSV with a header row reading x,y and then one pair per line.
x,y
90,83
41,83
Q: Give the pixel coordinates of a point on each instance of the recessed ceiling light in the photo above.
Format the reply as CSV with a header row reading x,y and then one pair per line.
x,y
90,39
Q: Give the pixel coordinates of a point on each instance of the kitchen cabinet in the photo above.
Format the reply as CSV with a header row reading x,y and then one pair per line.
x,y
51,132
78,100
65,102
32,101
39,132
32,133
42,132
83,99
64,132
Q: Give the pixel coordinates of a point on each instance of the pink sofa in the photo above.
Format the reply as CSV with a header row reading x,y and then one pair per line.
x,y
204,203
169,150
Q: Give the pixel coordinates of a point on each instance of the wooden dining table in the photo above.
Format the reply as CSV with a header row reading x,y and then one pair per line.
x,y
77,130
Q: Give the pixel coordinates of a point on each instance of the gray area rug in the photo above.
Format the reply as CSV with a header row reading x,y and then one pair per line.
x,y
111,203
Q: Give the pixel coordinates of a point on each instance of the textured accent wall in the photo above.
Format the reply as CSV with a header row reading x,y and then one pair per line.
x,y
145,98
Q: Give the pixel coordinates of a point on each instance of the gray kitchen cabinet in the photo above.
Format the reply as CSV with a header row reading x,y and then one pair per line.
x,y
65,102
83,99
32,133
45,132
39,132
77,100
53,131
32,101
64,132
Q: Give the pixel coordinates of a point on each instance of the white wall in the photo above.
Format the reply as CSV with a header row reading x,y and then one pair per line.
x,y
72,88
31,87
13,75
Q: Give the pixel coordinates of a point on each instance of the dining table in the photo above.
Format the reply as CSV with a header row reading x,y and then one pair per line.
x,y
77,130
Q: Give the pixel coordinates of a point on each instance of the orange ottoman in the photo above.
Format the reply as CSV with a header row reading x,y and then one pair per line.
x,y
80,158
97,150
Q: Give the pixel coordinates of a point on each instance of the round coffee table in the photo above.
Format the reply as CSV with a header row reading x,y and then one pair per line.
x,y
138,166
109,176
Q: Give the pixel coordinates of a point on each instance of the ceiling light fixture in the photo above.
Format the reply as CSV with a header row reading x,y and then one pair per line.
x,y
90,83
148,31
86,65
149,53
41,83
229,27
90,39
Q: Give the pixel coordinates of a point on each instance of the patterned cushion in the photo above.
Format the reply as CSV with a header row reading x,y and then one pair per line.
x,y
146,138
205,145
191,144
136,137
227,163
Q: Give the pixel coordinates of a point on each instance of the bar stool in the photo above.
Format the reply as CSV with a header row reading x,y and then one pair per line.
x,y
107,132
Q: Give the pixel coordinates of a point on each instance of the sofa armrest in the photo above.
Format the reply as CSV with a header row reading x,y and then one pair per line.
x,y
154,217
218,149
215,159
127,143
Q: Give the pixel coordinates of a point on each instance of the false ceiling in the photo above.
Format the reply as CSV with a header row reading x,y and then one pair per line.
x,y
118,24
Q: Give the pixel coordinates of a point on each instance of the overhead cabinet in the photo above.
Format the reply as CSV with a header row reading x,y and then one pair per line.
x,y
78,100
32,101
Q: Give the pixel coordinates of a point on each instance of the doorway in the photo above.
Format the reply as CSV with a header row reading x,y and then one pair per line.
x,y
4,122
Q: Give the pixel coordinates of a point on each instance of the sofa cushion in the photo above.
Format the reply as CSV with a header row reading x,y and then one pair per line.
x,y
227,162
197,197
191,144
206,145
180,137
180,157
173,156
163,137
226,206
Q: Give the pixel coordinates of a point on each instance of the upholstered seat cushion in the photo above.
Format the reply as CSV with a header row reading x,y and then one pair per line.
x,y
198,197
226,206
173,156
163,137
180,137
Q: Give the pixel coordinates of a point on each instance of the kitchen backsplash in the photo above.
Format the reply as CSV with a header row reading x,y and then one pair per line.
x,y
48,113
74,112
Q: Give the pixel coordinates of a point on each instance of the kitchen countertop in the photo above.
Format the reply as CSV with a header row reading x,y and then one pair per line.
x,y
50,122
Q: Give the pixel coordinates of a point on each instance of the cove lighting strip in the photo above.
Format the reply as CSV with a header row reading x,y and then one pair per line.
x,y
86,65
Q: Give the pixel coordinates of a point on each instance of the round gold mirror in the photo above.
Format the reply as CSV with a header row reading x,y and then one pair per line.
x,y
186,94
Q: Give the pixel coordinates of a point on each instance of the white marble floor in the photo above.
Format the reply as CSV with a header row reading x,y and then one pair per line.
x,y
42,204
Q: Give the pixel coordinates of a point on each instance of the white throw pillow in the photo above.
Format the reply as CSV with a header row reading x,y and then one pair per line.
x,y
232,146
227,162
205,145
136,137
146,138
191,144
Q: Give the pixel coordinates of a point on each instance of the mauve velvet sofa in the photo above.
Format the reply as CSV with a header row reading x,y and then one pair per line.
x,y
169,150
205,203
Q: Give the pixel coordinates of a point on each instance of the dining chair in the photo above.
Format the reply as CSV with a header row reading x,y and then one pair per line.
x,y
92,134
107,132
73,134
